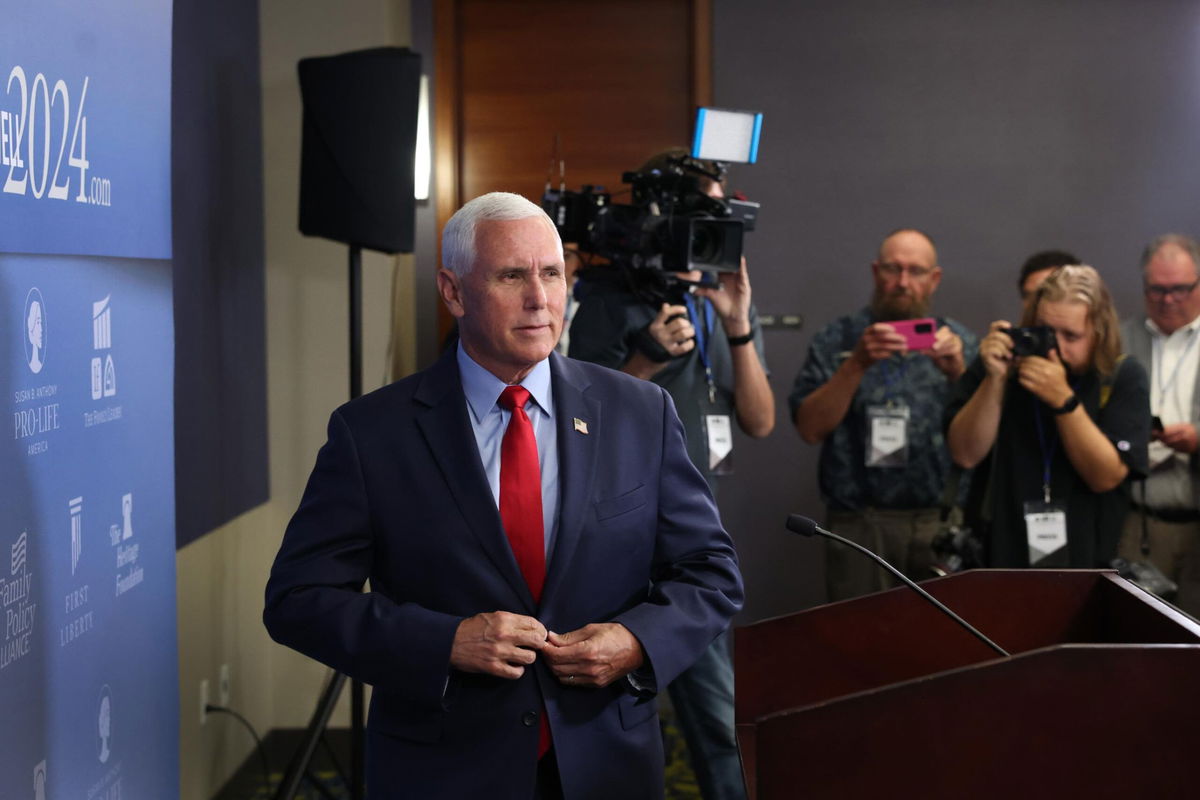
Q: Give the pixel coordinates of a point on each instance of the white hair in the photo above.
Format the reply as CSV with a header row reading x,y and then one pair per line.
x,y
458,237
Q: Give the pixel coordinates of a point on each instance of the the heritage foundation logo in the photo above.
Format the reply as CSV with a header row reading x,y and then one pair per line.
x,y
129,573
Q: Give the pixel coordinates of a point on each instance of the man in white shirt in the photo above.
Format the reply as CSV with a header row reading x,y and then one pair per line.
x,y
1165,524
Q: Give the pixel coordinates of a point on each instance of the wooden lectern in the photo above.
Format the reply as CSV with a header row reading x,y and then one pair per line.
x,y
885,696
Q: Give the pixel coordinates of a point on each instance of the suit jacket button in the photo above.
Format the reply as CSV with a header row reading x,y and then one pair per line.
x,y
529,719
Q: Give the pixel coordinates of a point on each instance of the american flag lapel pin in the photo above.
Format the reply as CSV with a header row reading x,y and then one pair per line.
x,y
580,426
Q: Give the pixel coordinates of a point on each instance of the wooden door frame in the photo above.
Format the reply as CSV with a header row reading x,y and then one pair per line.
x,y
447,108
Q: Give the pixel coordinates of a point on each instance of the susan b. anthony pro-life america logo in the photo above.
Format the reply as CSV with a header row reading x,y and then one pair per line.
x,y
34,324
35,414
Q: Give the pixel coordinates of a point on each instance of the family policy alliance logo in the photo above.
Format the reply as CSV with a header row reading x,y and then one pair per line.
x,y
16,597
34,320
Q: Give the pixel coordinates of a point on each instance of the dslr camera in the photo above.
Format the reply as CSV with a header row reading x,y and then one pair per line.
x,y
955,548
1035,340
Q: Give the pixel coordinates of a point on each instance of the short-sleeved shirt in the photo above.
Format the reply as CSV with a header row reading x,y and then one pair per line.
x,y
606,329
912,381
1094,519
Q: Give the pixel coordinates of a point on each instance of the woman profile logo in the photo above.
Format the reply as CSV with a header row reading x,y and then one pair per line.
x,y
104,724
35,330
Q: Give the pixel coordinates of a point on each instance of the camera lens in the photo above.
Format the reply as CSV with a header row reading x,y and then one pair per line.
x,y
706,244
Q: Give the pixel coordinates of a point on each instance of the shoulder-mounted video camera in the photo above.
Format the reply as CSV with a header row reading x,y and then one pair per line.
x,y
671,223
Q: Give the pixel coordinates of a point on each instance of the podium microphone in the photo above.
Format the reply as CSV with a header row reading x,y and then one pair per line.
x,y
804,526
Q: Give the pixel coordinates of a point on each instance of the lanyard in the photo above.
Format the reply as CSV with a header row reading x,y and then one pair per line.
x,y
703,337
892,371
1047,452
1163,387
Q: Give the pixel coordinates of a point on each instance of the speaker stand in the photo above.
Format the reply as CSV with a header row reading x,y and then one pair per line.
x,y
298,768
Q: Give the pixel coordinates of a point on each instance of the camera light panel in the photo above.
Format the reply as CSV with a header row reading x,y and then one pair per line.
x,y
726,135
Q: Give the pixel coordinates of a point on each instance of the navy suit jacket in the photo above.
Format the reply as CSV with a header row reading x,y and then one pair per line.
x,y
399,496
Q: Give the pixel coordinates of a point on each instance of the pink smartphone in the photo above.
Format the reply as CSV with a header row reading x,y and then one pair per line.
x,y
918,333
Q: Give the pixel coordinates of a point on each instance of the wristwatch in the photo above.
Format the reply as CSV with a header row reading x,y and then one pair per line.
x,y
1070,405
736,341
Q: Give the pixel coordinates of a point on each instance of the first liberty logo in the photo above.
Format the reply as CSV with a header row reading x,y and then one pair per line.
x,y
16,596
34,320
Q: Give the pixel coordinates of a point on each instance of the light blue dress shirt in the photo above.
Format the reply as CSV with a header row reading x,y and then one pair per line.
x,y
489,421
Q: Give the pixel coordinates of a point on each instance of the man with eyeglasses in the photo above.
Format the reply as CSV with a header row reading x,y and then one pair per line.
x,y
875,407
1165,527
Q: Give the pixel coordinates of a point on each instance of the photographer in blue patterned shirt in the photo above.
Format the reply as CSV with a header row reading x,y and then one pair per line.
x,y
875,405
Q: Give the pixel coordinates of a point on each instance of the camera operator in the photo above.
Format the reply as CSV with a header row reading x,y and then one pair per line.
x,y
707,352
1066,420
704,346
859,383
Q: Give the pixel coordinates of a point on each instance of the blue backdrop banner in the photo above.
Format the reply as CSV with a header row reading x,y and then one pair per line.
x,y
88,664
85,114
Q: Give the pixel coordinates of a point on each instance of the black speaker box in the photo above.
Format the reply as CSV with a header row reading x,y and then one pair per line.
x,y
359,143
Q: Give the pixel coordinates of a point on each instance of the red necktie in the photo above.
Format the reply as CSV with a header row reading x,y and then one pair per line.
x,y
521,491
521,506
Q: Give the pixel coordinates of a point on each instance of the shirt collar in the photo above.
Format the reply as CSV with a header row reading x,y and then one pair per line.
x,y
1156,331
482,388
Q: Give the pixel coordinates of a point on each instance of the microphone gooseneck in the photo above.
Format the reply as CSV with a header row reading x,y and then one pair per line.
x,y
798,523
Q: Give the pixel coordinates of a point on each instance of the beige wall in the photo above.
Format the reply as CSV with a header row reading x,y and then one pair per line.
x,y
221,576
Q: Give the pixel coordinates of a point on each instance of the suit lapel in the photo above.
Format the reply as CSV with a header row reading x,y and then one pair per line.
x,y
576,465
447,431
1143,345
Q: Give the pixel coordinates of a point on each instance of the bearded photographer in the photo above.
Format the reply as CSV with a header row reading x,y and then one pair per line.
x,y
1065,420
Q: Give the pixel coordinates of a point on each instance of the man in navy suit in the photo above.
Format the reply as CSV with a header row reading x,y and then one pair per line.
x,y
488,683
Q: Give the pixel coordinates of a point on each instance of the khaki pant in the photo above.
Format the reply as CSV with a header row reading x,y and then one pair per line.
x,y
1174,549
901,538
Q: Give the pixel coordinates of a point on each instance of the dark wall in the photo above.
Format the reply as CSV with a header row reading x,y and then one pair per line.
x,y
1000,129
217,196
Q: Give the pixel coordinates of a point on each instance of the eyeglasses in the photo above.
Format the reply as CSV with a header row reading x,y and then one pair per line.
x,y
1177,292
893,270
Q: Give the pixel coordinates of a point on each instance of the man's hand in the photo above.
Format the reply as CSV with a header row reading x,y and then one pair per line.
x,y
996,349
1046,378
947,353
878,341
731,301
498,643
673,330
1180,437
595,655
